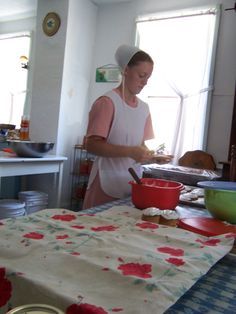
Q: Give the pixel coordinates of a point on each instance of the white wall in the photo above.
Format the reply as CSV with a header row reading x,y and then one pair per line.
x,y
60,83
46,87
79,51
48,72
225,78
20,25
116,25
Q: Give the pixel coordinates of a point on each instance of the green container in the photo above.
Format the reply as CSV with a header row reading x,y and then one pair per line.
x,y
220,199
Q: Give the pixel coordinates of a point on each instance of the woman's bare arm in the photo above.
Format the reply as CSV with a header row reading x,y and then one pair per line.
x,y
97,145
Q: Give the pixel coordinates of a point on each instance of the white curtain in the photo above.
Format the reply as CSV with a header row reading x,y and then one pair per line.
x,y
190,122
183,52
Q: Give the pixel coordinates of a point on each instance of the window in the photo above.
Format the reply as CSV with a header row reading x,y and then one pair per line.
x,y
182,45
14,52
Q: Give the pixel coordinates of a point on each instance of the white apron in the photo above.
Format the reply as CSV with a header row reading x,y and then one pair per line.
x,y
127,129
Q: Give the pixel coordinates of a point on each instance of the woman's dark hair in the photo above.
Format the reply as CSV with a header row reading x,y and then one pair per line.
x,y
140,56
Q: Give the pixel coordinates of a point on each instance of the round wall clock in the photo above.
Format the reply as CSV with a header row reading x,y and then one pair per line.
x,y
51,23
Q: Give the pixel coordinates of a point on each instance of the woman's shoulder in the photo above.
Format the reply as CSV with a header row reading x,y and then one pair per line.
x,y
106,100
103,100
102,104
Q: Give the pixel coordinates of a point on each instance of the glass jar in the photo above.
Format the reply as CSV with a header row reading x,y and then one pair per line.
x,y
24,128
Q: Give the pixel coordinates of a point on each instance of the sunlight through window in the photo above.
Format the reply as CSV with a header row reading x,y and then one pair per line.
x,y
182,45
14,52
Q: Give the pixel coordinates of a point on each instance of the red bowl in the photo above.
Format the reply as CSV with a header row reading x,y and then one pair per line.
x,y
163,194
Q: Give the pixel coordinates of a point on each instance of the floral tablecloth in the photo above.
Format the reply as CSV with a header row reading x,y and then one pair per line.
x,y
107,262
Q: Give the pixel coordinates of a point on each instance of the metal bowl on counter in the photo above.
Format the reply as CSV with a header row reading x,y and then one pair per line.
x,y
30,148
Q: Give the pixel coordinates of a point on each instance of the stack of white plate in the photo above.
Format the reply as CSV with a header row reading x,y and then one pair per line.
x,y
34,200
11,208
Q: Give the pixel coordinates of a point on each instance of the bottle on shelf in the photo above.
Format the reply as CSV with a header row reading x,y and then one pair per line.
x,y
24,128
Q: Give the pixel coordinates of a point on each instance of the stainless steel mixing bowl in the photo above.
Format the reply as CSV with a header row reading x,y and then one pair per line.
x,y
30,148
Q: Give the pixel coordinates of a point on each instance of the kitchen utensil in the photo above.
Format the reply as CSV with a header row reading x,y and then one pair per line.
x,y
35,308
5,126
163,194
10,208
135,176
34,200
220,199
30,148
206,226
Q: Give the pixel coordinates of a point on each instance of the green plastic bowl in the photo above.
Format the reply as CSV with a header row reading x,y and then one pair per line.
x,y
220,199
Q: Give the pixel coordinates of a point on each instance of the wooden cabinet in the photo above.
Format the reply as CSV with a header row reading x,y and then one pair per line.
x,y
82,165
233,128
227,164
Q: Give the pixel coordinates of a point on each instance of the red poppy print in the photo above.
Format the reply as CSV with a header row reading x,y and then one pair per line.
x,y
211,242
136,269
85,308
66,217
78,227
175,261
61,237
147,225
231,235
34,235
5,288
104,228
116,310
75,253
171,251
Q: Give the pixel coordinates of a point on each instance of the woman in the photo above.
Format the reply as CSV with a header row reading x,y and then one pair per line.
x,y
119,123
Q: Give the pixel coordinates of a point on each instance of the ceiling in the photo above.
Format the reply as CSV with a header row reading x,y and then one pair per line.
x,y
25,8
20,8
108,1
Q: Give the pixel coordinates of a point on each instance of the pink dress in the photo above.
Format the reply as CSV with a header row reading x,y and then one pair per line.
x,y
100,121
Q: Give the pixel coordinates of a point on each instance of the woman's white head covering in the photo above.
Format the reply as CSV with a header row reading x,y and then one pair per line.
x,y
124,54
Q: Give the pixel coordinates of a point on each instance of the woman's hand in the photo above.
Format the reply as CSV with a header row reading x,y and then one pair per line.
x,y
98,146
141,153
